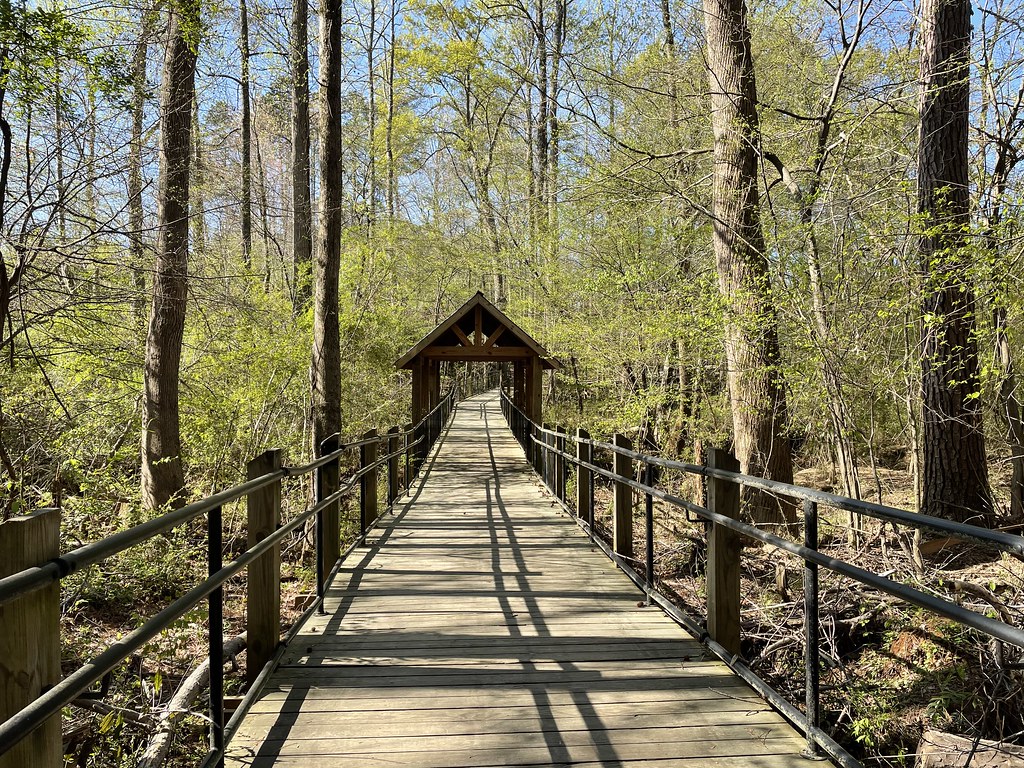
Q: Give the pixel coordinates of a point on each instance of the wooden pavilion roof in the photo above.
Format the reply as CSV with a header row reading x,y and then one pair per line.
x,y
477,331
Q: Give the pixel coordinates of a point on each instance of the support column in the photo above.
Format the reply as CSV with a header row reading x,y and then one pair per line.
x,y
30,640
724,546
534,389
622,506
263,595
418,390
519,385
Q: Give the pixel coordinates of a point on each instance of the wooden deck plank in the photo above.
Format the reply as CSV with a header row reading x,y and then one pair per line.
x,y
478,628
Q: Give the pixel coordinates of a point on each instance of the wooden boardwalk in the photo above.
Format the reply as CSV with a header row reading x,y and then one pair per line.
x,y
481,628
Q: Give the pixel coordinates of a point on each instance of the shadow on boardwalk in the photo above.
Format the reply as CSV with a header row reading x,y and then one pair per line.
x,y
480,628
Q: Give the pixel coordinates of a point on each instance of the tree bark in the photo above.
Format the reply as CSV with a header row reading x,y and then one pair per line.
x,y
136,220
325,371
243,42
954,473
163,480
756,385
302,209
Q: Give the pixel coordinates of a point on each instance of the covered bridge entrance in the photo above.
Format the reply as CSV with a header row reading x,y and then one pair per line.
x,y
477,332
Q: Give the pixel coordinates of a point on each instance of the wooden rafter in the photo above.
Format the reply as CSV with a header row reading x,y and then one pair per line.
x,y
462,336
493,338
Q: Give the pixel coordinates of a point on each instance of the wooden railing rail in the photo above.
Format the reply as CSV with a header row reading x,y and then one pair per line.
x,y
29,587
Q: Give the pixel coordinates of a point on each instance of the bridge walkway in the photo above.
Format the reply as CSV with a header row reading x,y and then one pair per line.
x,y
480,628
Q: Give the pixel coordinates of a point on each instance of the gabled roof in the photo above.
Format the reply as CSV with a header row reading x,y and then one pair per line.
x,y
479,326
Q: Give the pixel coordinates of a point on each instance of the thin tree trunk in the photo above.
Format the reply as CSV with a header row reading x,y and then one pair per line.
x,y
302,210
136,252
198,191
264,208
541,154
371,128
163,479
243,15
954,473
325,370
756,385
389,131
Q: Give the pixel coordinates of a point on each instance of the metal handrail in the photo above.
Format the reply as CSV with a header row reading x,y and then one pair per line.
x,y
1006,542
538,440
74,685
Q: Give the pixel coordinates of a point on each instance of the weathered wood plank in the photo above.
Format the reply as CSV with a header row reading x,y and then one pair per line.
x,y
479,628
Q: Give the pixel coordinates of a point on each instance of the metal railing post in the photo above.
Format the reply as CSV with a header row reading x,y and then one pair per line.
x,y
723,575
368,483
215,606
263,579
584,478
622,506
812,652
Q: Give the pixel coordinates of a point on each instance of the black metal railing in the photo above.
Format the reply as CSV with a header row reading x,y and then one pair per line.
x,y
546,450
416,443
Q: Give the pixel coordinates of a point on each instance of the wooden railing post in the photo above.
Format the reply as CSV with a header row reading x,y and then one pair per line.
x,y
622,507
368,483
30,642
584,499
560,465
409,437
263,594
393,465
723,577
328,480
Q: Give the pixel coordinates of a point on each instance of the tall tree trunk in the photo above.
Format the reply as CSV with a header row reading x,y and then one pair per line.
x,y
136,251
371,128
558,43
542,153
756,386
198,190
389,130
954,473
163,480
243,17
325,371
302,210
264,208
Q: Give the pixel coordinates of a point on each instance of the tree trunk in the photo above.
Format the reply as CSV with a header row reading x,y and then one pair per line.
x,y
302,210
243,42
756,386
136,222
371,128
389,131
163,480
1012,412
325,371
954,474
198,190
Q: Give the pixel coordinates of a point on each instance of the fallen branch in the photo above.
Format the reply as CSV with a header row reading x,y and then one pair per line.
x,y
180,704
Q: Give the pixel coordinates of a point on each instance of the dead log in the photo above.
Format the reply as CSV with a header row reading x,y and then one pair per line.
x,y
180,703
946,750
